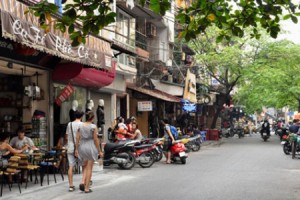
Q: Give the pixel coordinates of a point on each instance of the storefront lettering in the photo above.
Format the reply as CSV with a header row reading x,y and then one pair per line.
x,y
63,45
83,52
19,30
32,36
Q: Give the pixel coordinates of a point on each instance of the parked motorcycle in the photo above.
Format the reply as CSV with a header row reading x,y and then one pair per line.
x,y
192,143
239,131
178,152
143,154
295,142
286,145
225,132
158,150
121,154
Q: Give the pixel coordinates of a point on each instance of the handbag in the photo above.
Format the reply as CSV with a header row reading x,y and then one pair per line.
x,y
98,165
73,140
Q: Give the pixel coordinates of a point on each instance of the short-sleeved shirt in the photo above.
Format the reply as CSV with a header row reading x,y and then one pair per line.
x,y
166,135
75,126
15,142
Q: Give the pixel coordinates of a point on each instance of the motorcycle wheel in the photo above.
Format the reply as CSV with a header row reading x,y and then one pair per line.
x,y
131,162
158,155
294,150
188,147
146,155
183,160
196,147
265,138
286,148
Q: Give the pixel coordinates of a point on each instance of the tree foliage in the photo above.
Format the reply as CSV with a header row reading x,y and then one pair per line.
x,y
272,80
231,16
224,61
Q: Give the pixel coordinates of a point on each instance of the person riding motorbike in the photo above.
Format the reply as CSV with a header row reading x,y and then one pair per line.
x,y
265,127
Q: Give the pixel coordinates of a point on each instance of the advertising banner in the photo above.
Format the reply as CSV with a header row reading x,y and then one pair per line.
x,y
65,93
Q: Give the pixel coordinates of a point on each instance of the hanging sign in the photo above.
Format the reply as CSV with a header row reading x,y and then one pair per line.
x,y
65,93
145,106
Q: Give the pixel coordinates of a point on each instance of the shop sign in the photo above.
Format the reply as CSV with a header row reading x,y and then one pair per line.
x,y
26,33
64,95
144,105
190,87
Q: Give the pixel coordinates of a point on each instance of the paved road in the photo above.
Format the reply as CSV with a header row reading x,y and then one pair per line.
x,y
246,168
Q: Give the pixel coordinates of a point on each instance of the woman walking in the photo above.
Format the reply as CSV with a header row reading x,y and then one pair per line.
x,y
87,148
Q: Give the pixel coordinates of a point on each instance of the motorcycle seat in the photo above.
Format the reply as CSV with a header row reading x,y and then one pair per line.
x,y
111,146
143,146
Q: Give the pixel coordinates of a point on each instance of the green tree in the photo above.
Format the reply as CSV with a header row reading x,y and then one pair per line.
x,y
231,16
272,80
224,61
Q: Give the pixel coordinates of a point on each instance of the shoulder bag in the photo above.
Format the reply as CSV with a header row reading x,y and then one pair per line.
x,y
73,140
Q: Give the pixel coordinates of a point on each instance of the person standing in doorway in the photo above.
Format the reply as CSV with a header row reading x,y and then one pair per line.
x,y
87,149
168,140
72,129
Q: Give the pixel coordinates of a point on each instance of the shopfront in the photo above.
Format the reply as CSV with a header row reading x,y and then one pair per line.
x,y
24,91
45,64
151,105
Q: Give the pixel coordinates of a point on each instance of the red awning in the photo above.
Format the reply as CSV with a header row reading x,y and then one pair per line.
x,y
77,74
155,93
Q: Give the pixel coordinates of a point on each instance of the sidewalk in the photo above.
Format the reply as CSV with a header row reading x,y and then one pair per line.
x,y
60,188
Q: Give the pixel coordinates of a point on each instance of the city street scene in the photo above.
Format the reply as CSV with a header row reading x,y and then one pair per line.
x,y
155,99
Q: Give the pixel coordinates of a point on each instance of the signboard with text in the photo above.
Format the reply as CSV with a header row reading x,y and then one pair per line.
x,y
145,106
64,95
32,36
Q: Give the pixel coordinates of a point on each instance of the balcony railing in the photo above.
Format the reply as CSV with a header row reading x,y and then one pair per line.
x,y
141,40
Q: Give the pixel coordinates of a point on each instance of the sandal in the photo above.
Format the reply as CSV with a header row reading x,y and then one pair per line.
x,y
81,187
89,191
71,188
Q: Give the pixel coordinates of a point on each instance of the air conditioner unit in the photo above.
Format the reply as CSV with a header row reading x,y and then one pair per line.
x,y
151,30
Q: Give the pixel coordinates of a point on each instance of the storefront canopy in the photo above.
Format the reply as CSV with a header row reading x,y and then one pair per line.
x,y
155,93
78,74
24,29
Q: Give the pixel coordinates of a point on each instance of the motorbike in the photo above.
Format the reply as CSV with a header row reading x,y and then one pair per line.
x,y
226,132
143,154
121,154
178,152
192,143
265,136
286,145
239,131
295,142
157,152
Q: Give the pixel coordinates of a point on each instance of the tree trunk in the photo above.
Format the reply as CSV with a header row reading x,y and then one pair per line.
x,y
298,105
213,124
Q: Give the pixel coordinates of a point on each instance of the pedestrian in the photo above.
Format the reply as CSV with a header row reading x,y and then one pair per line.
x,y
168,140
71,131
87,149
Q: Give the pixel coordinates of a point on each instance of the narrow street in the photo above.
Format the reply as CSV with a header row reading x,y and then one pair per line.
x,y
245,168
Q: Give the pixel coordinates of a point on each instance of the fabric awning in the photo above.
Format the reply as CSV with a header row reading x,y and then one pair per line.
x,y
154,93
25,30
77,74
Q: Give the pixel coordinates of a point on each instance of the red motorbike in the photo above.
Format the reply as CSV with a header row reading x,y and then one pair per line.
x,y
157,142
144,154
178,152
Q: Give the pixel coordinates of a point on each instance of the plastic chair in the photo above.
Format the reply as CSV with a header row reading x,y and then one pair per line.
x,y
51,163
12,173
